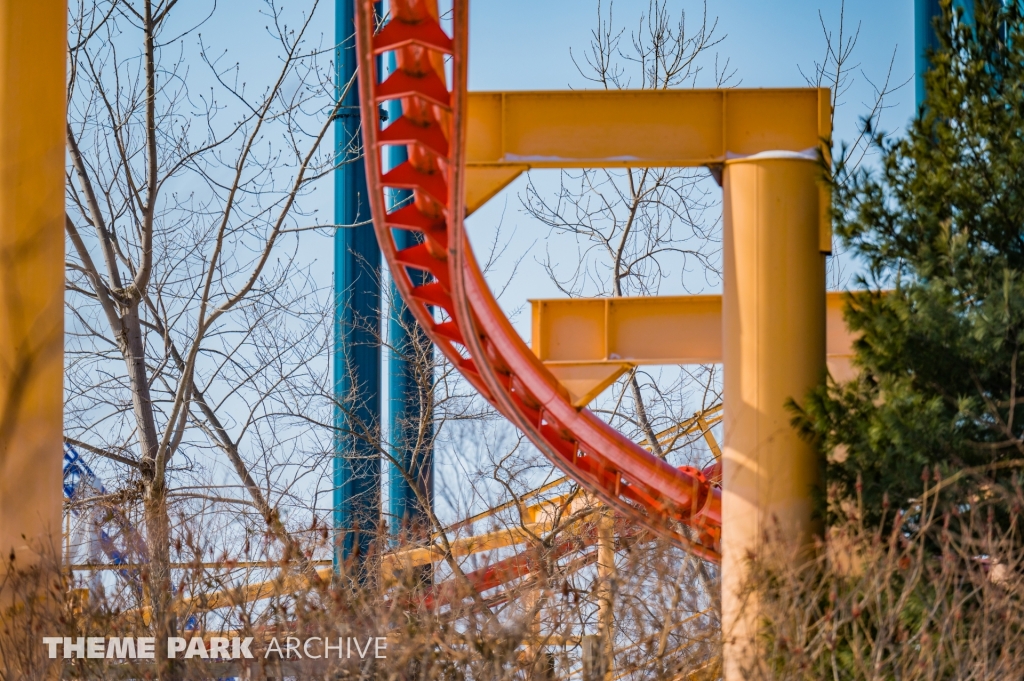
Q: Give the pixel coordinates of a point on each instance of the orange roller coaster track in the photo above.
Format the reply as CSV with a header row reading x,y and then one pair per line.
x,y
473,333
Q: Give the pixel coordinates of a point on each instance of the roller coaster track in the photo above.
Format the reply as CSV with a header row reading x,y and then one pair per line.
x,y
473,332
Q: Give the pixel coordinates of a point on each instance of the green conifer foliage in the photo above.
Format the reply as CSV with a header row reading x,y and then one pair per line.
x,y
940,224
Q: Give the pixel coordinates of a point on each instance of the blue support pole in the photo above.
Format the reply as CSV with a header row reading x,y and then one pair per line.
x,y
925,39
356,351
410,474
411,480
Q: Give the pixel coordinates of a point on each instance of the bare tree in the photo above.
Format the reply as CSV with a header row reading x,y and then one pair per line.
x,y
838,71
190,312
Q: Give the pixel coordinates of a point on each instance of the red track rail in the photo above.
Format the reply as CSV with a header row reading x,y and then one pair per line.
x,y
475,335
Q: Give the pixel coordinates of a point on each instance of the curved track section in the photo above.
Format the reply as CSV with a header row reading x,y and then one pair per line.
x,y
473,332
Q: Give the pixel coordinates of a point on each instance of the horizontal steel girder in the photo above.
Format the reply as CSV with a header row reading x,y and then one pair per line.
x,y
589,342
510,132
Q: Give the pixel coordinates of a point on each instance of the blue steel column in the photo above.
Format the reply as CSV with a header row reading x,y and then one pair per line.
x,y
411,449
356,352
925,39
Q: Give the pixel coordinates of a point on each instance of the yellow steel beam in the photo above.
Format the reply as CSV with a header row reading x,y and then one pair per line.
x,y
538,519
709,437
285,583
701,420
33,54
589,342
585,381
632,331
410,558
509,132
838,339
637,128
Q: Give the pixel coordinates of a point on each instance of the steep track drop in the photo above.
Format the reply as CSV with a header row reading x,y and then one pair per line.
x,y
474,334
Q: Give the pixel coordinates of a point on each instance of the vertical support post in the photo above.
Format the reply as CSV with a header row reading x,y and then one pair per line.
x,y
590,652
537,660
409,405
33,86
925,39
356,352
606,595
773,312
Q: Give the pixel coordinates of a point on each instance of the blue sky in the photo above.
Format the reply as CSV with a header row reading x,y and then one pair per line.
x,y
526,44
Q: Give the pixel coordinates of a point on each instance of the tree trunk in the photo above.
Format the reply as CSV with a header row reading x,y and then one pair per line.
x,y
157,587
157,580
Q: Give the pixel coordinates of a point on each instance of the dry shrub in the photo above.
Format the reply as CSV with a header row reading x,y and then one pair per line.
x,y
936,592
665,616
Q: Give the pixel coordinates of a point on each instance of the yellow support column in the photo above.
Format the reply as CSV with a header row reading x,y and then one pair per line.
x,y
607,577
774,348
33,54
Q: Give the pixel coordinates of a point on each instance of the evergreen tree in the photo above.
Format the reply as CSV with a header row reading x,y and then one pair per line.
x,y
940,224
